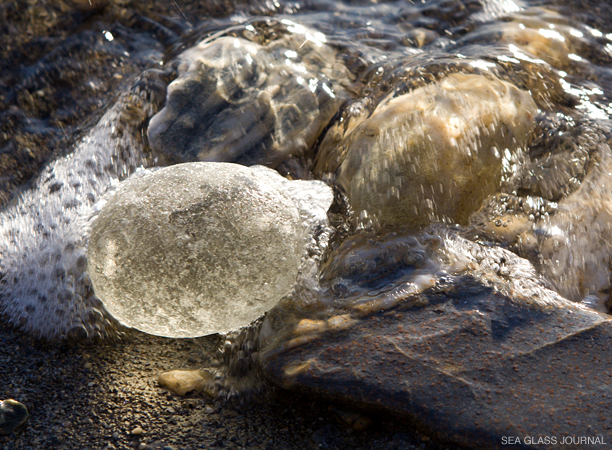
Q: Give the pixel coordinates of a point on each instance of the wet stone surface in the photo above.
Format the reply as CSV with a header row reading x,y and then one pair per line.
x,y
464,373
488,351
467,362
237,101
13,416
435,154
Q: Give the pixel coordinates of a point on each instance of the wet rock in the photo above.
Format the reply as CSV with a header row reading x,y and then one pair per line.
x,y
531,30
199,248
574,245
434,154
13,416
568,239
469,360
238,101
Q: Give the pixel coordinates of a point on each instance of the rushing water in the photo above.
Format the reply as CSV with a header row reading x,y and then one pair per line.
x,y
516,94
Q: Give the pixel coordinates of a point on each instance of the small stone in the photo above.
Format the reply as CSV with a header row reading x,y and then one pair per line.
x,y
171,410
209,410
142,446
137,431
182,382
88,365
115,435
13,415
434,154
351,419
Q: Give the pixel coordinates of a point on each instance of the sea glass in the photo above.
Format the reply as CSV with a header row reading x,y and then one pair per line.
x,y
195,249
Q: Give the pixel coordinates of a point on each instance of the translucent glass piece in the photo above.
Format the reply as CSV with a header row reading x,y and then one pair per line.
x,y
195,249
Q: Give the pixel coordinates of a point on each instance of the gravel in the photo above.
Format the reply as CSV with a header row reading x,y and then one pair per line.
x,y
105,395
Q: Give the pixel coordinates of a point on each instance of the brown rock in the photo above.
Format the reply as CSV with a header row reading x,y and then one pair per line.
x,y
183,382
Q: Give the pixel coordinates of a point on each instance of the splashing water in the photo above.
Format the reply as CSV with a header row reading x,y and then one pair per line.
x,y
435,154
523,132
46,289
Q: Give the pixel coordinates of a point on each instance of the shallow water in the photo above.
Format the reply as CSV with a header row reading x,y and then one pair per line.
x,y
548,200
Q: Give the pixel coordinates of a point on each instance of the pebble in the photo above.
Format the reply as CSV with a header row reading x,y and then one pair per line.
x,y
182,382
142,446
351,419
383,185
137,431
209,410
13,415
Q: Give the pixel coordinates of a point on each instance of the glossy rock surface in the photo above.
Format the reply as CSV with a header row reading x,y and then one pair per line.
x,y
488,352
436,153
13,416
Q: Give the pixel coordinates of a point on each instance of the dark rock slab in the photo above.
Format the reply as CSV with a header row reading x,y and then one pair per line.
x,y
468,364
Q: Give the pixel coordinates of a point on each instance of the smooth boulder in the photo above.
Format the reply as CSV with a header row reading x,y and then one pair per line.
x,y
239,101
434,154
487,351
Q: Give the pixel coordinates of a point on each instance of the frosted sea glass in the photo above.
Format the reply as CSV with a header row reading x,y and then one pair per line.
x,y
195,249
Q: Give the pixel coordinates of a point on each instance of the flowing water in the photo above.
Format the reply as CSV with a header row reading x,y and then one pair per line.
x,y
493,115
